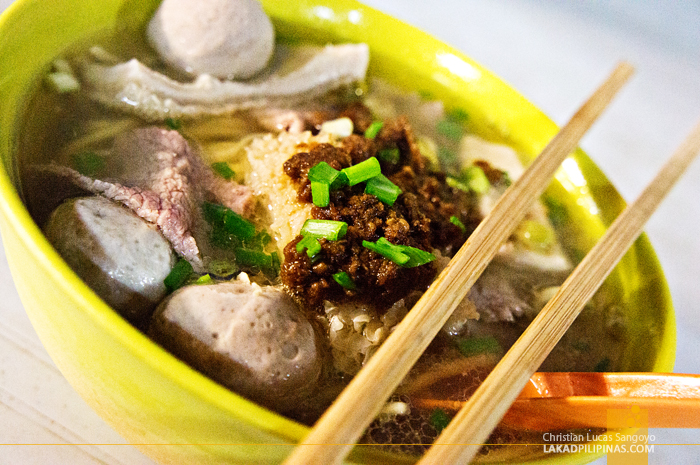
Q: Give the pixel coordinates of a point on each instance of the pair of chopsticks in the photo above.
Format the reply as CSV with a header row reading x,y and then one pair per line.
x,y
343,423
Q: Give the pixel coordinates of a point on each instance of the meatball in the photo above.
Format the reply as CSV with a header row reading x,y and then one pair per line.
x,y
252,339
229,39
119,255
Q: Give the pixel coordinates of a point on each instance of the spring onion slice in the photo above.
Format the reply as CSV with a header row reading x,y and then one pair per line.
x,y
320,193
88,163
385,190
417,257
478,345
439,419
403,255
178,276
373,129
276,262
253,258
457,222
392,155
222,169
173,124
311,244
323,172
387,250
451,129
476,179
233,223
206,279
344,280
362,171
328,229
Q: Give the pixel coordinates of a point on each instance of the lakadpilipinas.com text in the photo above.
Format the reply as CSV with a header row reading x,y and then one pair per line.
x,y
563,443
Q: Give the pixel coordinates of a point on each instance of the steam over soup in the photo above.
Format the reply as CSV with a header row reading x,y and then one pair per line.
x,y
271,231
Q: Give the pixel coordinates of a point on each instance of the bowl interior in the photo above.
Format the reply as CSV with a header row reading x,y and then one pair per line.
x,y
159,403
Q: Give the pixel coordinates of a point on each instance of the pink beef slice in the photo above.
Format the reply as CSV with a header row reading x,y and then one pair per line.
x,y
156,174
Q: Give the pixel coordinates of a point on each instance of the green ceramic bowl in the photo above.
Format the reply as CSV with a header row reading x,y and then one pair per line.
x,y
168,410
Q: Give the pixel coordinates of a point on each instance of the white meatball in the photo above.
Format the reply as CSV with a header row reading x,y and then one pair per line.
x,y
254,340
119,255
229,39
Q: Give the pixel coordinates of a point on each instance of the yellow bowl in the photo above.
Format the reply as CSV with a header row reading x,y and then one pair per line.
x,y
168,410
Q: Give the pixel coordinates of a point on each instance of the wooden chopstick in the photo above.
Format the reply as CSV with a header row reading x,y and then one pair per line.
x,y
462,438
335,433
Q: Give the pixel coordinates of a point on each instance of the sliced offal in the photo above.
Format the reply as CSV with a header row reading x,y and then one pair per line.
x,y
297,74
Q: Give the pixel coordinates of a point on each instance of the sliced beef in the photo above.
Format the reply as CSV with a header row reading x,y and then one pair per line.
x,y
155,173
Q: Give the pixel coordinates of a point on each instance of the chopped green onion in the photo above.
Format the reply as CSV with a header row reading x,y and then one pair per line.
x,y
223,268
323,172
253,258
472,179
231,222
383,189
311,244
478,345
362,171
476,179
387,250
259,241
456,184
457,222
556,211
417,257
320,193
206,279
344,280
173,123
392,155
458,114
340,181
373,129
222,169
451,129
439,419
88,163
178,276
276,262
403,255
329,229
505,178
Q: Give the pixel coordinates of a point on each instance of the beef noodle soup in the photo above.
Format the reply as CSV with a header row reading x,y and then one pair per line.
x,y
269,222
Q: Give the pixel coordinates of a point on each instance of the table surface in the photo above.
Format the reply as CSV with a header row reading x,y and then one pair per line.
x,y
555,53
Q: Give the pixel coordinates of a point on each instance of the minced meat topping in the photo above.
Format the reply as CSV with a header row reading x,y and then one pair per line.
x,y
419,218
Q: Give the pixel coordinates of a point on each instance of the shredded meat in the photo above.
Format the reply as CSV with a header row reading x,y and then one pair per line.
x,y
419,218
